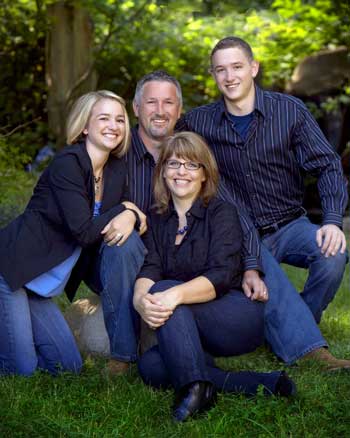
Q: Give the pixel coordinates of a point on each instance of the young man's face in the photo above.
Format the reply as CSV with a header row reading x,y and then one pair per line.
x,y
158,110
234,74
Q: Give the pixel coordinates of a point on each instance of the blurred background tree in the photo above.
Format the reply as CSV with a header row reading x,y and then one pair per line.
x,y
52,51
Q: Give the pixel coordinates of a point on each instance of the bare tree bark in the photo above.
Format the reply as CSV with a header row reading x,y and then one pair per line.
x,y
69,54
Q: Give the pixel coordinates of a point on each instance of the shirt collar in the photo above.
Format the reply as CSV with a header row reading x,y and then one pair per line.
x,y
197,210
259,106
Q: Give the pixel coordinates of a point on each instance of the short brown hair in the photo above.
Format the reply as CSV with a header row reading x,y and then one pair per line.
x,y
81,111
192,147
232,42
156,76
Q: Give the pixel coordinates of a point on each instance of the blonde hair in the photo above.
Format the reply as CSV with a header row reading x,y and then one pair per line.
x,y
81,111
190,146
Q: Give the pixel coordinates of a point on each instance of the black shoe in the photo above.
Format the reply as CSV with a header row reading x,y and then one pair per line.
x,y
193,398
285,386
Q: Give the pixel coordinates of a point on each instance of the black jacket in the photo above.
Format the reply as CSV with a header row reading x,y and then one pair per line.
x,y
59,216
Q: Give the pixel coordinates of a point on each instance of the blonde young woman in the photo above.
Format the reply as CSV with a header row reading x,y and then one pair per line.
x,y
77,226
189,289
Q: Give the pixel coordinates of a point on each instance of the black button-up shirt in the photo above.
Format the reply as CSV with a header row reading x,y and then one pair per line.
x,y
264,171
210,248
141,164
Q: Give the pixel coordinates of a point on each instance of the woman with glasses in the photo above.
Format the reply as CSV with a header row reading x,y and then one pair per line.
x,y
189,289
75,227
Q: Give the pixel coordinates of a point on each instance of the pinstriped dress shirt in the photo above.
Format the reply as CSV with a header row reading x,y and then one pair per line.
x,y
265,171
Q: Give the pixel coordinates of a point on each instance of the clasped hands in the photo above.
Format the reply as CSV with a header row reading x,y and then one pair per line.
x,y
155,309
118,229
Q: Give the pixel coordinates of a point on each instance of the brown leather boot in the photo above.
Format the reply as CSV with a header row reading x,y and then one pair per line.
x,y
116,368
327,360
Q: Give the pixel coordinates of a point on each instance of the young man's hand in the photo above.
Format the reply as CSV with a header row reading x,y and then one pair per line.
x,y
254,287
331,239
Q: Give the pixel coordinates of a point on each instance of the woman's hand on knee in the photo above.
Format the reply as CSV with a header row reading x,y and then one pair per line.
x,y
169,299
151,311
118,229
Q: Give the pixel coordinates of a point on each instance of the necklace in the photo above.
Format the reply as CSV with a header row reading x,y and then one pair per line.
x,y
97,184
182,231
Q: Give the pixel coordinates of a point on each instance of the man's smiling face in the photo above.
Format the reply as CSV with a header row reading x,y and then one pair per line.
x,y
234,74
158,110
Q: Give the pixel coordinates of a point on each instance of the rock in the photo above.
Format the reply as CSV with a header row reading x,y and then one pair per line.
x,y
320,73
85,318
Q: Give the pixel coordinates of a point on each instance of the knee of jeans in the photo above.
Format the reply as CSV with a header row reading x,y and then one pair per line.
x,y
132,250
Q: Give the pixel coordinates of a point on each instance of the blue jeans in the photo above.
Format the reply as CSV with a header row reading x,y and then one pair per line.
x,y
118,267
290,317
295,244
290,328
34,335
229,326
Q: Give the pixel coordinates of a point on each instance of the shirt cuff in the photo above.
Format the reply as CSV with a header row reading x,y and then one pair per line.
x,y
252,263
333,219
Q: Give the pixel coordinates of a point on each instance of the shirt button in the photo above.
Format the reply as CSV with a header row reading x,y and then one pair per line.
x,y
188,214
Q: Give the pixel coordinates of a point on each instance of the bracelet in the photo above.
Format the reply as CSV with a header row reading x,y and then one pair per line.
x,y
137,217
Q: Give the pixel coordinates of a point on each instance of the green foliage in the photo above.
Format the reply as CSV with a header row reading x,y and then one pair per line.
x,y
133,37
15,184
22,74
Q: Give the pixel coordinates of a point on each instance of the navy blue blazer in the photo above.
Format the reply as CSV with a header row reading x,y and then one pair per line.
x,y
59,216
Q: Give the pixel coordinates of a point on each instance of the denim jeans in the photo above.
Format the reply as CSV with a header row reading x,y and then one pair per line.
x,y
118,267
34,335
228,326
295,244
290,328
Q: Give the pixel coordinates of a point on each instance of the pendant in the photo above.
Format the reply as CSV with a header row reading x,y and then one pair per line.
x,y
182,231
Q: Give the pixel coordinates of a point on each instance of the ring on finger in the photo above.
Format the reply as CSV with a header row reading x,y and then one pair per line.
x,y
118,237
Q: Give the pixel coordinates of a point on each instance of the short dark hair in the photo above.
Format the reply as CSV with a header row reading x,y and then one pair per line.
x,y
231,42
160,76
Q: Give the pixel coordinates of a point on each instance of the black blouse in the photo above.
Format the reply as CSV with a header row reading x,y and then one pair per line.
x,y
210,248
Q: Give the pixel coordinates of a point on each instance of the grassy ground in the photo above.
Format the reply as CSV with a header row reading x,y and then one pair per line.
x,y
92,405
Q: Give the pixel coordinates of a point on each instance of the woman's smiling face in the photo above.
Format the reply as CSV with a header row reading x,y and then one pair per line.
x,y
183,183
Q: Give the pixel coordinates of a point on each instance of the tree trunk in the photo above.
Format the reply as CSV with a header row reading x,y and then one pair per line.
x,y
69,57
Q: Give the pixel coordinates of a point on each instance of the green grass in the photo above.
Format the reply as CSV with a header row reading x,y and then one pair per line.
x,y
91,405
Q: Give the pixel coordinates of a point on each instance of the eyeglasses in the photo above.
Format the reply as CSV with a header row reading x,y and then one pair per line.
x,y
189,165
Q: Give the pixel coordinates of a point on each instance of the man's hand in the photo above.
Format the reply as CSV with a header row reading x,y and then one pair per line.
x,y
253,286
331,239
142,216
152,311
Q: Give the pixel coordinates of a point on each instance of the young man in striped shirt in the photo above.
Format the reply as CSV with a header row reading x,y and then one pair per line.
x,y
263,143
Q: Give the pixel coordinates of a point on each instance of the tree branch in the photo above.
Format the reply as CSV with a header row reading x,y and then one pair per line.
x,y
17,128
